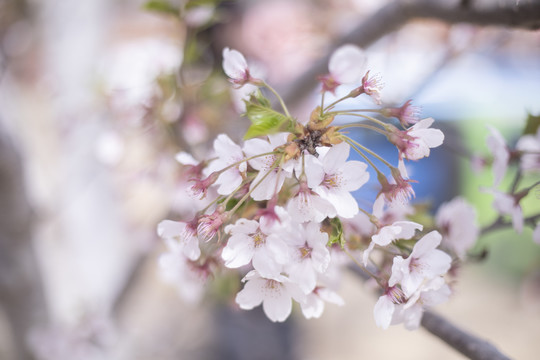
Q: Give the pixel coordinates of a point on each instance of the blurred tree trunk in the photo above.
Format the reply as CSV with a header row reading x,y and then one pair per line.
x,y
21,292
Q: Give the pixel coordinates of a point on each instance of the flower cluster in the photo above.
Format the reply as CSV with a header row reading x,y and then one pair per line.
x,y
527,154
283,215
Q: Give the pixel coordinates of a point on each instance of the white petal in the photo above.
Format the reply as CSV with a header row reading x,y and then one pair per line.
x,y
313,307
344,203
383,311
278,307
517,219
185,159
265,265
335,157
346,64
408,229
170,229
354,175
229,181
234,64
238,252
252,294
426,244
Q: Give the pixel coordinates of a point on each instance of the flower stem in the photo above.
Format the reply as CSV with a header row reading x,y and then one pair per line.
x,y
372,119
365,126
372,153
379,281
279,99
348,141
244,198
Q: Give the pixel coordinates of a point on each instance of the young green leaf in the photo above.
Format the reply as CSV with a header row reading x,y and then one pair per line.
x,y
162,6
336,235
264,119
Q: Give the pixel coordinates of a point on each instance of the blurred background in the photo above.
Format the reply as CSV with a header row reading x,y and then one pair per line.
x,y
97,97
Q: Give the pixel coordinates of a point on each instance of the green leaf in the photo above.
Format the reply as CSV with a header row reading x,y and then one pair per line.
x,y
264,119
162,6
532,125
196,3
336,235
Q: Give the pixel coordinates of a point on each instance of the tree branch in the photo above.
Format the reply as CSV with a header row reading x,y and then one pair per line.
x,y
21,290
524,14
465,343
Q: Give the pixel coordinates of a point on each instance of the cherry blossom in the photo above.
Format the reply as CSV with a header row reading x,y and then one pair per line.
x,y
501,154
529,145
183,234
271,174
416,142
407,114
309,254
506,204
275,295
176,269
346,66
385,306
424,263
209,225
236,68
339,178
313,306
307,205
251,241
457,221
387,234
228,153
432,293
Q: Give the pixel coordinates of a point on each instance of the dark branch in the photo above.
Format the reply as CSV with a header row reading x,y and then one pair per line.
x,y
469,345
21,290
525,15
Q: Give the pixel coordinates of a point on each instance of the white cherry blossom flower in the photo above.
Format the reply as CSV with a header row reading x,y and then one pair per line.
x,y
424,263
275,295
432,293
385,307
183,234
309,254
188,277
313,306
501,154
307,205
457,221
530,146
415,142
506,204
338,179
387,234
407,114
346,66
236,68
228,153
252,242
271,175
372,87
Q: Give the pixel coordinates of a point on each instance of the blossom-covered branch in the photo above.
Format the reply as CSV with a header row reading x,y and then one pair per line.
x,y
391,17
